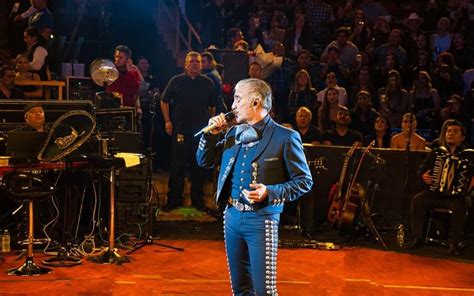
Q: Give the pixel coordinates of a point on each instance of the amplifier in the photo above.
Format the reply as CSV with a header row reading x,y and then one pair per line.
x,y
130,217
81,88
116,120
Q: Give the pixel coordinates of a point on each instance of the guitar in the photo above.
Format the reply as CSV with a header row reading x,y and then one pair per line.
x,y
335,194
354,195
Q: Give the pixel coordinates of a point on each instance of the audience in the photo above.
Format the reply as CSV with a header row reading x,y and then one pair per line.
x,y
8,90
400,140
341,135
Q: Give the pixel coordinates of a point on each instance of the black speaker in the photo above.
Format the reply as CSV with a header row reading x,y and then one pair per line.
x,y
236,64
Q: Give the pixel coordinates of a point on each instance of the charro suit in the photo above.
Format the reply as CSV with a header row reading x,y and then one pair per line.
x,y
251,230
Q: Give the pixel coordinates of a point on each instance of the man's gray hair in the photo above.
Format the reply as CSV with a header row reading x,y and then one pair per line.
x,y
260,88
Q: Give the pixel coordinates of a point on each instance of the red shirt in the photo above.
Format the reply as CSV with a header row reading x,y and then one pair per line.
x,y
127,84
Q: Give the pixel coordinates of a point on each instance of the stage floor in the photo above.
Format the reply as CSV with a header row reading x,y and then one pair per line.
x,y
201,270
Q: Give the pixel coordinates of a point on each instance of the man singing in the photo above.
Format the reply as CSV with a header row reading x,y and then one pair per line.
x,y
263,166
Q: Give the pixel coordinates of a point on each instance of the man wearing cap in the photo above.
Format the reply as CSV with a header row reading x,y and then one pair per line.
x,y
34,117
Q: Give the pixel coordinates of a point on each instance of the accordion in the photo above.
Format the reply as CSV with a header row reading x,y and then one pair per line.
x,y
452,172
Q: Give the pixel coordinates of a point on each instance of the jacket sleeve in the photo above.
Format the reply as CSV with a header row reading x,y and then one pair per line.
x,y
207,150
299,180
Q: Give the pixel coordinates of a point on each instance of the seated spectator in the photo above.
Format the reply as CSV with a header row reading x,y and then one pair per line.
x,y
421,45
463,55
400,140
456,109
412,31
298,37
394,100
426,102
302,94
360,33
363,116
447,77
362,81
380,32
275,32
342,135
441,40
308,132
381,133
254,34
422,63
372,10
36,53
331,82
381,72
255,70
333,64
347,49
320,17
393,45
328,111
233,35
8,90
30,91
303,61
344,14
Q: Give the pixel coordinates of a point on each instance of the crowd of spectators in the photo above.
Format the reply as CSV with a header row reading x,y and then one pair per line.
x,y
375,61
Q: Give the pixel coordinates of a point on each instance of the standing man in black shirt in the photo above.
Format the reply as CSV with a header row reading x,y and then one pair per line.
x,y
191,99
342,135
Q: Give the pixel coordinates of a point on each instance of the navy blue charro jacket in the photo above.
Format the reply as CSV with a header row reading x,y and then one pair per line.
x,y
281,161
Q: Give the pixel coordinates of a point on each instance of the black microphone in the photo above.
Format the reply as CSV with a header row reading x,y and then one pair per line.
x,y
229,116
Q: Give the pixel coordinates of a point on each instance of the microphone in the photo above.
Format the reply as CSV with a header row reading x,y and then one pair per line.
x,y
229,116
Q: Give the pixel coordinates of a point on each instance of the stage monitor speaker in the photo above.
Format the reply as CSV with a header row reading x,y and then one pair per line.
x,y
116,120
81,88
236,64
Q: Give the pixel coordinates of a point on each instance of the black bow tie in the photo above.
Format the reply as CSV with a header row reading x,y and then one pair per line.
x,y
245,133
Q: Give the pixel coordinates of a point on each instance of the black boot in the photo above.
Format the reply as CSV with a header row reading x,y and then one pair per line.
x,y
413,244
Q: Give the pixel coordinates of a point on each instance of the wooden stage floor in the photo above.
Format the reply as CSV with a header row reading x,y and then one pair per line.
x,y
201,270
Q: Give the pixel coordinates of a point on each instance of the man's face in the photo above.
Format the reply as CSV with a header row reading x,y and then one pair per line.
x,y
206,64
255,71
28,39
303,118
193,65
38,4
343,118
143,65
454,135
120,59
8,79
421,41
406,123
394,38
341,38
363,76
243,104
35,117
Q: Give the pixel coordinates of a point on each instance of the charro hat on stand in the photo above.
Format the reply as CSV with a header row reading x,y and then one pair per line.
x,y
67,134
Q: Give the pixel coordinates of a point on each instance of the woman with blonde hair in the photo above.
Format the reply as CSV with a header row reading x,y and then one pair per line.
x,y
302,94
22,73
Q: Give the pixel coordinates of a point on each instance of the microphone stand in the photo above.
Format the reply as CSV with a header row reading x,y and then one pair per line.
x,y
149,239
407,154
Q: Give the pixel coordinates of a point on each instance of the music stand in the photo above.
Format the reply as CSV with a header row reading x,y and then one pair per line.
x,y
149,239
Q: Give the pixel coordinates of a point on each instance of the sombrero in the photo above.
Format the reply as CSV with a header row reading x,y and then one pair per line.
x,y
67,134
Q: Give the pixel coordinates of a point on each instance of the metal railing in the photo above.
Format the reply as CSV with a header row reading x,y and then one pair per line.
x,y
169,12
